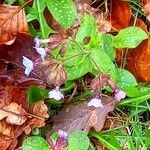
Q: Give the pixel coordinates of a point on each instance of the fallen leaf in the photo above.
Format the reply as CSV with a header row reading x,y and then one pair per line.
x,y
12,21
40,112
138,61
13,113
82,117
120,14
13,89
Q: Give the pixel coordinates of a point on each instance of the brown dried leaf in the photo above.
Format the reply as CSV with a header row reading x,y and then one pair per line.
x,y
54,72
82,117
40,112
13,113
12,21
13,89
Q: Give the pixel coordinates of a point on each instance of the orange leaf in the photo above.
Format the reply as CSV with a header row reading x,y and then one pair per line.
x,y
13,113
138,61
120,14
40,110
12,21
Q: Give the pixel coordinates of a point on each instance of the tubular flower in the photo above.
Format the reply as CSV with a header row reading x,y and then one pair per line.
x,y
61,141
119,94
56,94
96,102
28,64
42,52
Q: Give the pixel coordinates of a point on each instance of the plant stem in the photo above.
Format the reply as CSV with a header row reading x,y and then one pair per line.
x,y
40,19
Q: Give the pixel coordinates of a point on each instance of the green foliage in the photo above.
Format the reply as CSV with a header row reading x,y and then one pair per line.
x,y
143,95
35,143
10,1
64,11
36,12
109,142
87,28
35,94
108,46
129,37
78,141
90,57
126,79
102,62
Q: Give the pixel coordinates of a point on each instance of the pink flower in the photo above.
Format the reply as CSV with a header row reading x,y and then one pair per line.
x,y
96,102
28,64
62,134
56,94
42,52
119,94
61,141
39,41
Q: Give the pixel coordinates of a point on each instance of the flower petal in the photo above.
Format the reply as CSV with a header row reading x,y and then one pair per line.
x,y
29,66
119,94
41,51
96,102
62,133
56,94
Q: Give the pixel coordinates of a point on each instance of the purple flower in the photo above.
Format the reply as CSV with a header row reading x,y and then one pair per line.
x,y
119,94
39,41
56,94
29,65
96,102
62,134
41,51
61,141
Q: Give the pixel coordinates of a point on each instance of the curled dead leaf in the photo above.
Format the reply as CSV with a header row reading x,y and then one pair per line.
x,y
39,112
12,21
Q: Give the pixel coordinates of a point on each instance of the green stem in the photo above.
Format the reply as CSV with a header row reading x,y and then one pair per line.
x,y
40,19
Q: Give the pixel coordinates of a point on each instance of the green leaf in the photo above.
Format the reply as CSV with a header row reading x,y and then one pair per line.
x,y
37,12
143,95
73,55
78,141
35,94
126,79
87,28
129,37
35,143
64,11
102,63
77,71
104,141
131,91
10,1
107,45
131,144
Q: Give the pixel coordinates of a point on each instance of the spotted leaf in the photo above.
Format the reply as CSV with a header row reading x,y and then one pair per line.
x,y
64,11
